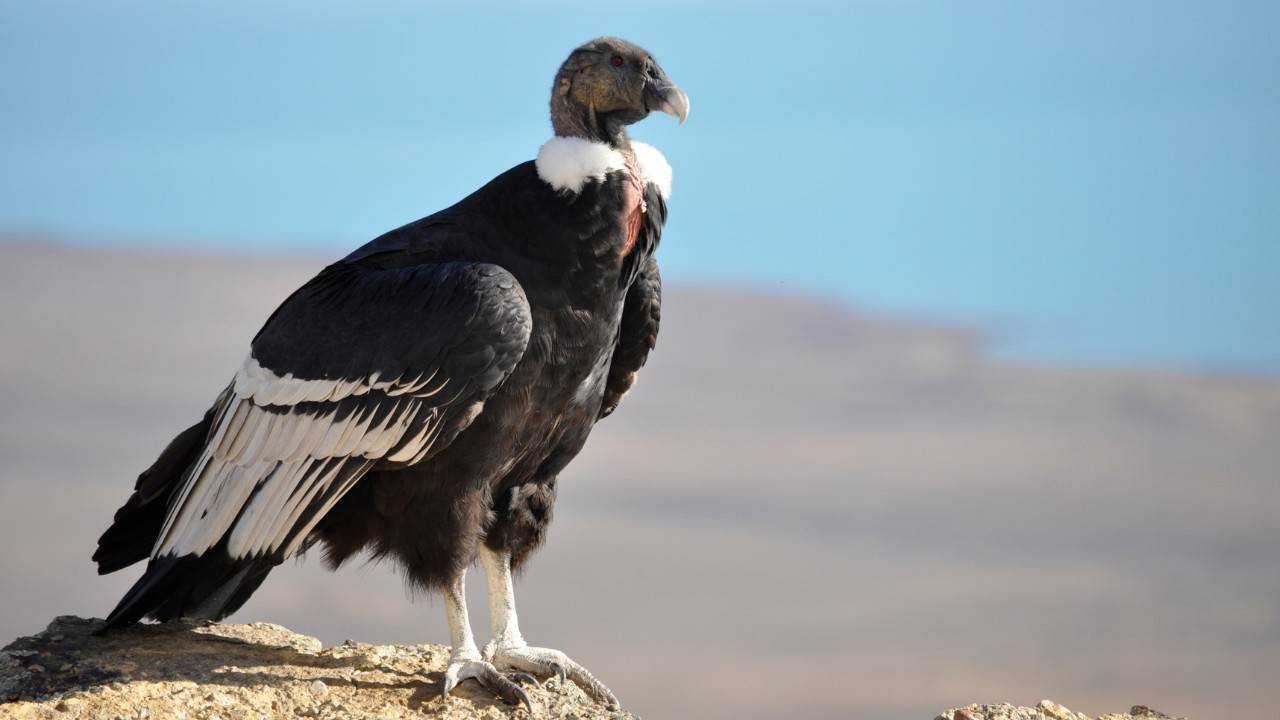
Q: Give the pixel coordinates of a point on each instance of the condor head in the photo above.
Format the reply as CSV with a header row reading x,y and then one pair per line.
x,y
608,84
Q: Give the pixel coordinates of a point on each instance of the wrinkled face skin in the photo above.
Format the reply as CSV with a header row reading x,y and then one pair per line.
x,y
608,84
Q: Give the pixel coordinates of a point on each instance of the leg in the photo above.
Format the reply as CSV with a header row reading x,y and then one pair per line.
x,y
508,648
465,661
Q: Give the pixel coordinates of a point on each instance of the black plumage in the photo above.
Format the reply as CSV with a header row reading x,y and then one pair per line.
x,y
420,396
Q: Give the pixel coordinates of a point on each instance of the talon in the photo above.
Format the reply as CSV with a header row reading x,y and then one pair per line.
x,y
609,700
490,679
524,697
525,677
594,687
511,693
544,660
597,690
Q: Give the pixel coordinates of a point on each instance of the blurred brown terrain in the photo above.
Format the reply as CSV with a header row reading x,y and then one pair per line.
x,y
800,510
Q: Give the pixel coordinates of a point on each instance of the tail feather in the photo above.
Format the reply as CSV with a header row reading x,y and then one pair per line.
x,y
137,523
204,587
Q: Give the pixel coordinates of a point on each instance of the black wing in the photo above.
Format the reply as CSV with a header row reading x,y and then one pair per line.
x,y
637,334
358,367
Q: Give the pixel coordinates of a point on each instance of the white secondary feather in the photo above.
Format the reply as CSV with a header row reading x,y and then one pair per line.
x,y
265,387
290,457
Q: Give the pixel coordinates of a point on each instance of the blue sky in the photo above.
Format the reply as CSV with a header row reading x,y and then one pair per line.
x,y
1097,182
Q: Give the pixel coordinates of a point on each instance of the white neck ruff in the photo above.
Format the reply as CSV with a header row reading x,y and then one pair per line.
x,y
569,163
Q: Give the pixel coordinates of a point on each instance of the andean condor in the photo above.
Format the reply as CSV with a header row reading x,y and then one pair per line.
x,y
418,398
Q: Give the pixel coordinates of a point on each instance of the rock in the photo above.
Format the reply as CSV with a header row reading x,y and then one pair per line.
x,y
1045,710
1055,711
203,671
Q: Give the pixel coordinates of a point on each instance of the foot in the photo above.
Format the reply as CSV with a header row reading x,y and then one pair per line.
x,y
547,662
468,665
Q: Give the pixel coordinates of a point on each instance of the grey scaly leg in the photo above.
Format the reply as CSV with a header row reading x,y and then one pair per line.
x,y
465,660
508,648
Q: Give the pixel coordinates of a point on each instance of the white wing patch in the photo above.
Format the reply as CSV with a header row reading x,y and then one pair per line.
x,y
291,456
267,388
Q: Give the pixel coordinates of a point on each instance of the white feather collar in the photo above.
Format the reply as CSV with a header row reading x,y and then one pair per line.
x,y
568,163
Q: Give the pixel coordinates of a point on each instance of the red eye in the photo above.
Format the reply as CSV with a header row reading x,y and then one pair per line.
x,y
616,61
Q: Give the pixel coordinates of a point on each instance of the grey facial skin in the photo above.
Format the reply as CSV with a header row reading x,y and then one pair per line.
x,y
607,84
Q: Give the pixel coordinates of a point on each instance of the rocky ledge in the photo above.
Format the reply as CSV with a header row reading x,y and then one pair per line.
x,y
212,671
195,671
1046,710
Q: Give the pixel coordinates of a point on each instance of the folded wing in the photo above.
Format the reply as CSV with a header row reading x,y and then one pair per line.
x,y
358,367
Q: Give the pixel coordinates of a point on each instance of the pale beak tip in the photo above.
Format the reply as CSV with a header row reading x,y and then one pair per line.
x,y
677,104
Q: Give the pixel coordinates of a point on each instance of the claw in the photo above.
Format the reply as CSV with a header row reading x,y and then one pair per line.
x,y
525,677
498,683
545,660
524,698
489,678
594,687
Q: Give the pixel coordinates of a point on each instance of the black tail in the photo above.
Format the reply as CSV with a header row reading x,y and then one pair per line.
x,y
206,587
138,522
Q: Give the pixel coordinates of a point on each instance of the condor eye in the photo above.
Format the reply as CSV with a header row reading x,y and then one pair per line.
x,y
616,61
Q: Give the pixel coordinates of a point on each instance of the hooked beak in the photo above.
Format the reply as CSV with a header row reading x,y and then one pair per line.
x,y
666,97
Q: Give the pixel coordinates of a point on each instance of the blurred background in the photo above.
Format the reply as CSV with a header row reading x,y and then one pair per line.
x,y
968,387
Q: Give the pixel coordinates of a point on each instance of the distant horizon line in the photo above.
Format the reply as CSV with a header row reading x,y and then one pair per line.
x,y
994,339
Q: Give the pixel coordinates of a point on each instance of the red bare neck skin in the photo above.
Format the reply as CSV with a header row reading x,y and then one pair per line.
x,y
632,212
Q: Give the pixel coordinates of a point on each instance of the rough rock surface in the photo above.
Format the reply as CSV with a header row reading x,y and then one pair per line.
x,y
1045,710
192,671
